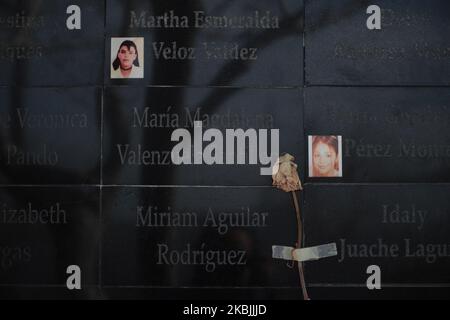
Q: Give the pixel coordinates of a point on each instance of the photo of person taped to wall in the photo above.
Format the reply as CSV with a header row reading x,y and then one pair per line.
x,y
325,156
127,58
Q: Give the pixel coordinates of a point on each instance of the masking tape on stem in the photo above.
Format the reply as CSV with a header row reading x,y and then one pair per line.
x,y
304,254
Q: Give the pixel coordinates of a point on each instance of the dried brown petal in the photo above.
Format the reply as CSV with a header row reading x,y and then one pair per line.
x,y
286,178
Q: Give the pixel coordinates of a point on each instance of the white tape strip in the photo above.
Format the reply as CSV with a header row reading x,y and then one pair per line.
x,y
305,254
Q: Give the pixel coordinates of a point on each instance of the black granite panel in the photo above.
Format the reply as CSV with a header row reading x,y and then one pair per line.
x,y
403,229
50,135
196,237
139,123
388,134
43,231
37,47
241,43
412,47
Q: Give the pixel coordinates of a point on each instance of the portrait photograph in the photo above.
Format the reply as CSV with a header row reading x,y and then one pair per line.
x,y
127,58
325,156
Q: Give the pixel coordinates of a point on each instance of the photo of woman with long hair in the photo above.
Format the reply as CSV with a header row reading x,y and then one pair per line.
x,y
325,156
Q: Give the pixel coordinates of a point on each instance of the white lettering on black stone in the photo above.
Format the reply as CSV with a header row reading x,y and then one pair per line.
x,y
27,119
257,20
379,249
24,118
430,252
139,156
222,221
209,50
169,20
228,119
412,150
208,258
359,148
145,118
171,51
11,256
43,157
395,214
229,51
54,214
423,151
352,52
152,216
405,17
22,21
20,52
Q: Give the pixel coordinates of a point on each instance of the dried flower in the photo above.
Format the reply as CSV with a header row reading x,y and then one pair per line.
x,y
286,178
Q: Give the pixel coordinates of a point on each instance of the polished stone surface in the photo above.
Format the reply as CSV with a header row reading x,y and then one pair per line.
x,y
139,122
196,237
87,176
400,228
388,134
412,47
199,43
50,135
37,48
45,230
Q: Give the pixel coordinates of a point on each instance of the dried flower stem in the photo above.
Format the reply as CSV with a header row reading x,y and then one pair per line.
x,y
299,245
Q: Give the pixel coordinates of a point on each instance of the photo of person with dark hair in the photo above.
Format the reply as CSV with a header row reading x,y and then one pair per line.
x,y
128,61
324,156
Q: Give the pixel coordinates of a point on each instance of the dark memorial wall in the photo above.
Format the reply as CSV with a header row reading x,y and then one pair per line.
x,y
411,48
137,140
